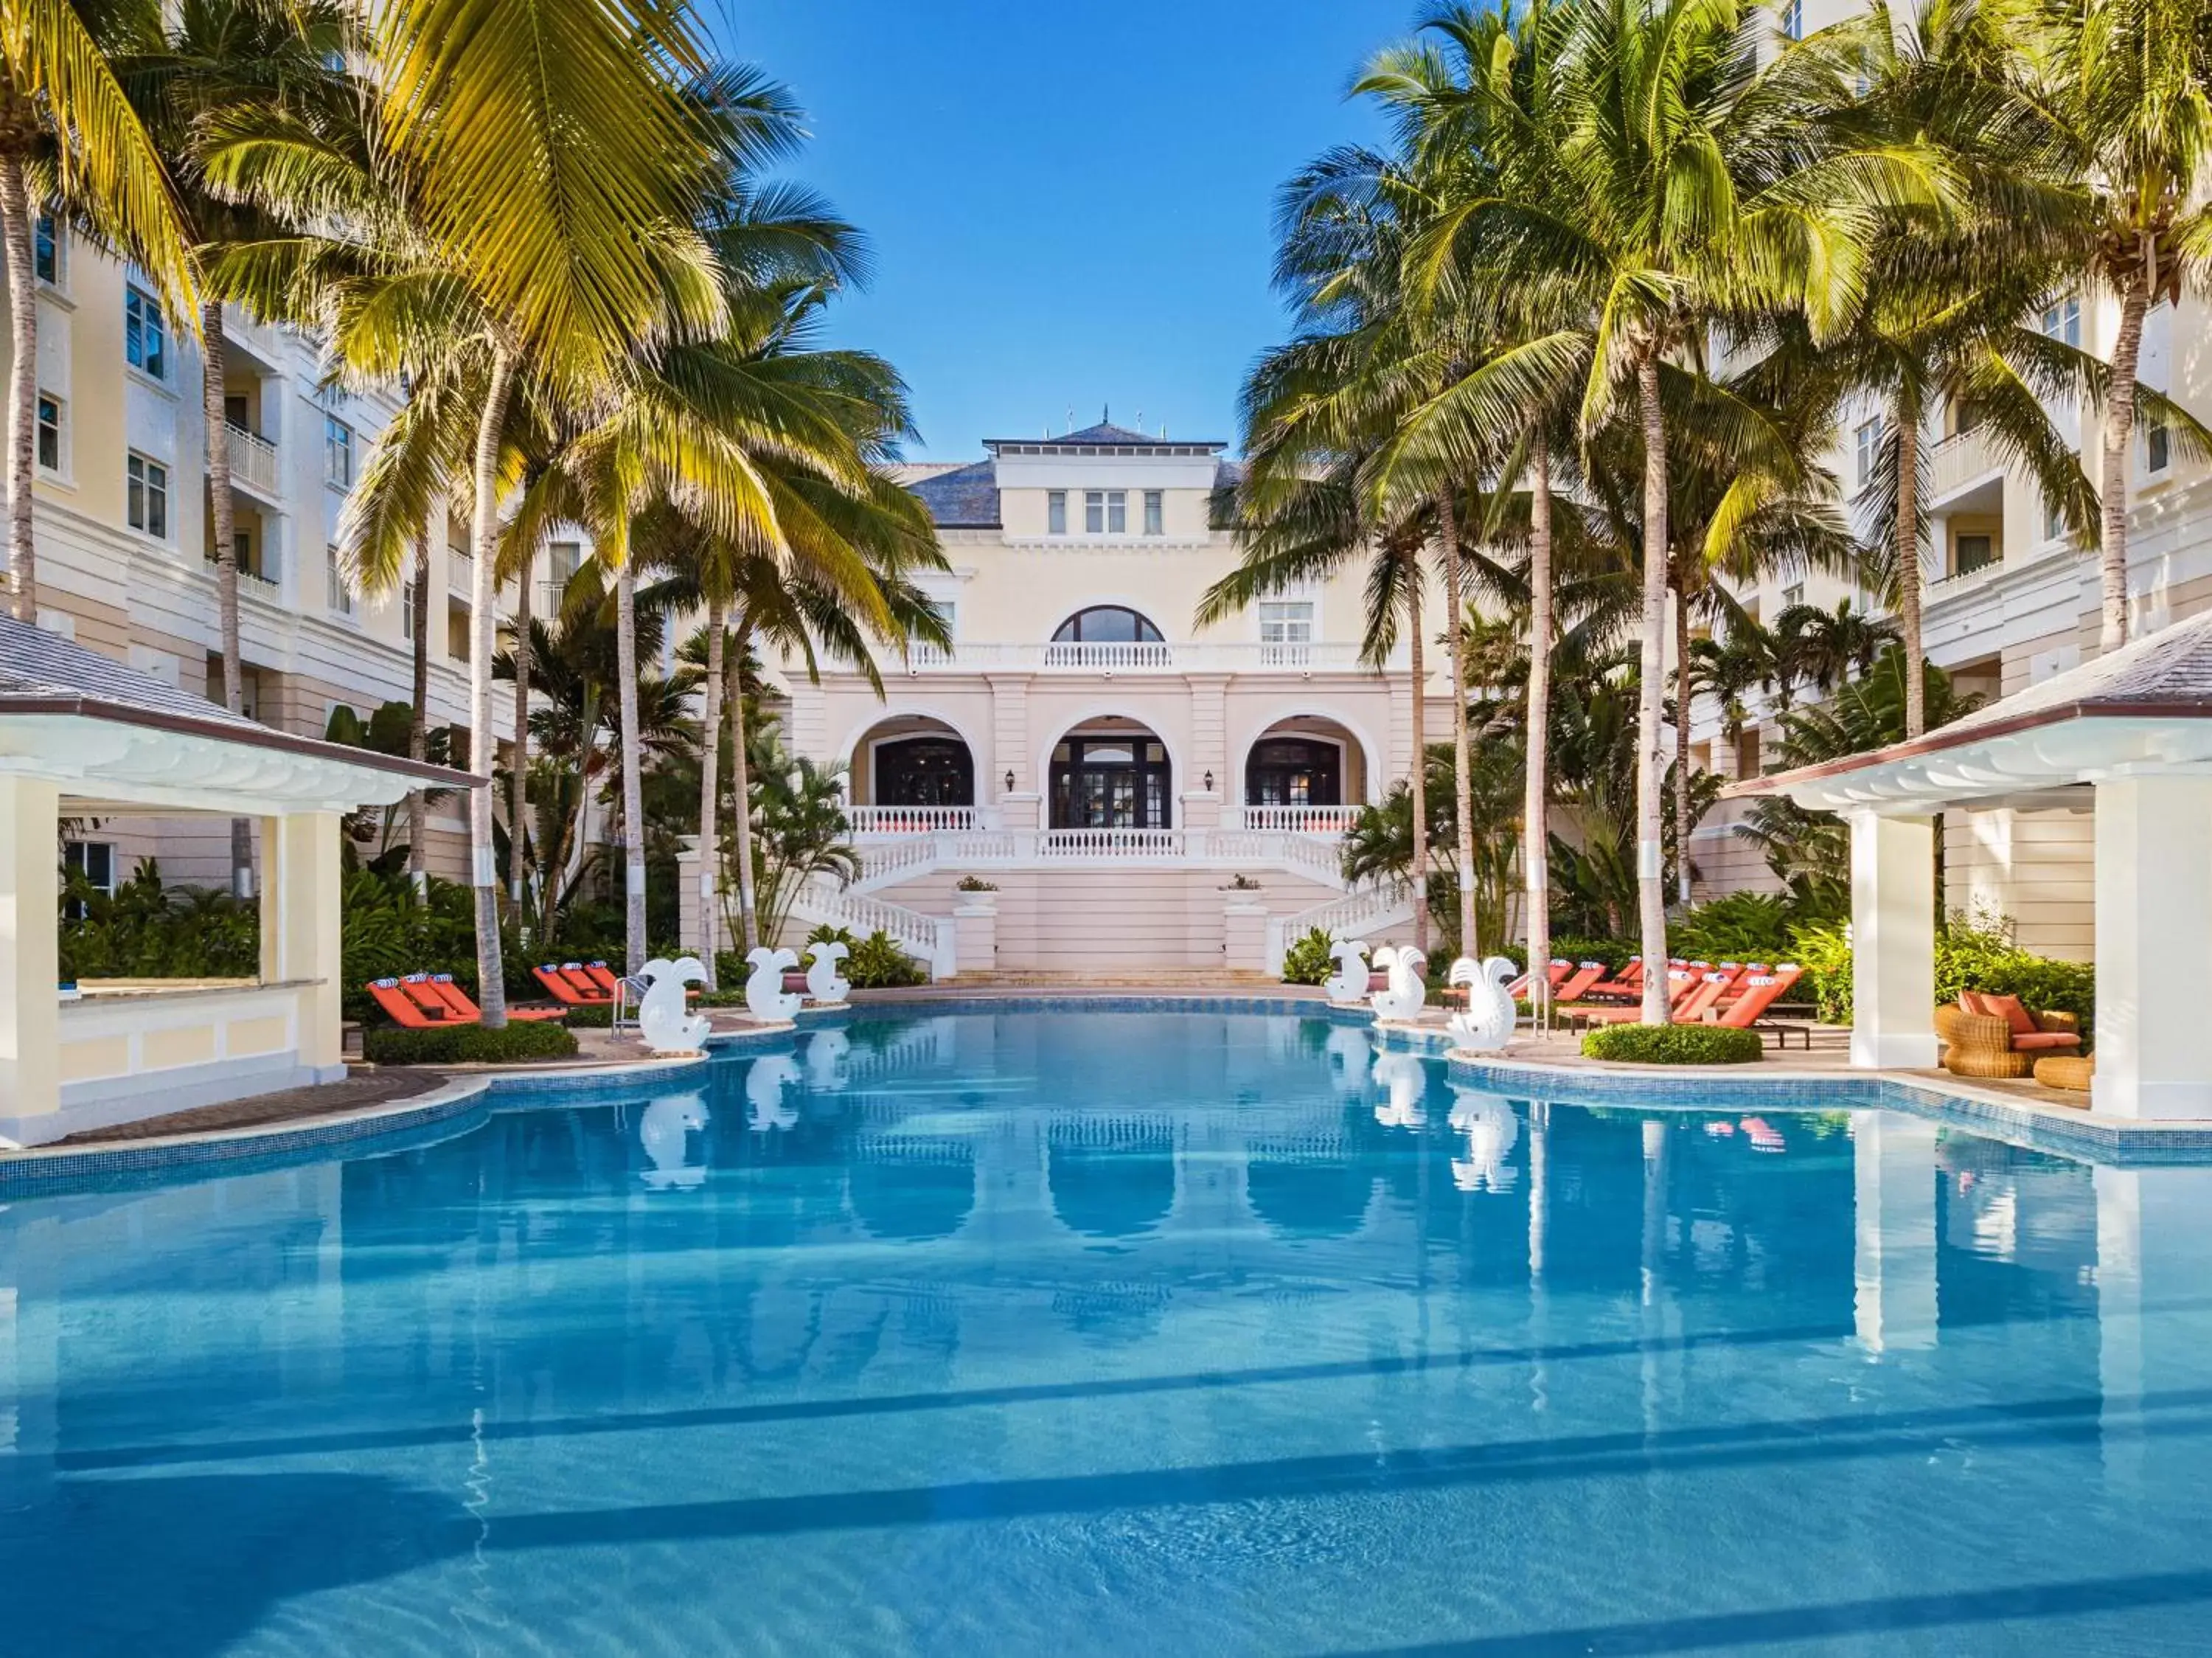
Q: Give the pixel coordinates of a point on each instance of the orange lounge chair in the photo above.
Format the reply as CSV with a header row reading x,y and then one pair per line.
x,y
465,1011
405,1009
1558,974
598,974
1760,992
562,982
1580,980
1628,987
1681,982
418,989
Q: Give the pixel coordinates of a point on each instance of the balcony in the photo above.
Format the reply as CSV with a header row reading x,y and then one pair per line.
x,y
252,460
1139,656
1957,464
460,572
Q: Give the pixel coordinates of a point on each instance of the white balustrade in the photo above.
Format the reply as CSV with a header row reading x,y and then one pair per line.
x,y
1140,656
908,819
1331,820
1110,656
1111,844
252,459
460,571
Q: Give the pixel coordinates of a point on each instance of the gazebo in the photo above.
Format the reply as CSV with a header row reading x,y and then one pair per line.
x,y
84,736
2127,736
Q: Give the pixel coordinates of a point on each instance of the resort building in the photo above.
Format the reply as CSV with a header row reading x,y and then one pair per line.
x,y
1138,792
126,550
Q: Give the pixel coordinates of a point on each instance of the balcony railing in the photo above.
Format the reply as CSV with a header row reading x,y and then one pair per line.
x,y
1959,460
1330,820
908,819
1135,657
252,459
460,572
1110,844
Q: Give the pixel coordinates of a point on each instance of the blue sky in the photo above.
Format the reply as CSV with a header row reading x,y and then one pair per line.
x,y
1069,202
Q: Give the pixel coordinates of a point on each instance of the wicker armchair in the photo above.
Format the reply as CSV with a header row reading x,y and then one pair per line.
x,y
1985,1044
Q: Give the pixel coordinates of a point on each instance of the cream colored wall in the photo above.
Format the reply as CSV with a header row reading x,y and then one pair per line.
x,y
2036,868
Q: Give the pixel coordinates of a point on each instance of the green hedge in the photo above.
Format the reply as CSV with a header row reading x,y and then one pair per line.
x,y
468,1045
1673,1044
1976,953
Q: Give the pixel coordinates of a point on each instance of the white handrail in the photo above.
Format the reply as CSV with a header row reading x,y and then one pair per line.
x,y
908,819
1332,821
252,458
1111,844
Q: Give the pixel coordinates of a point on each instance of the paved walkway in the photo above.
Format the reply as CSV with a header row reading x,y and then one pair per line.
x,y
360,1088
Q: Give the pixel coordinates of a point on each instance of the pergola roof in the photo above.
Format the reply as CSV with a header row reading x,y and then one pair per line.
x,y
2146,707
110,736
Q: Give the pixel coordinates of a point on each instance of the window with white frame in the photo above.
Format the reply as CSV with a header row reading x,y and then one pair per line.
x,y
1094,512
1286,621
1867,439
146,497
341,593
1793,594
2062,321
49,432
1117,512
94,863
407,610
2054,520
145,334
2158,446
1055,512
337,452
46,259
1155,512
1793,19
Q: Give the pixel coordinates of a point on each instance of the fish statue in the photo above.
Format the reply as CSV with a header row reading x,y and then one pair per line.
x,y
1487,1024
1404,1081
1349,983
664,1022
1409,984
823,982
765,996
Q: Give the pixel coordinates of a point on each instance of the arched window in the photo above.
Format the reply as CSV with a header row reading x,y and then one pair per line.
x,y
1107,624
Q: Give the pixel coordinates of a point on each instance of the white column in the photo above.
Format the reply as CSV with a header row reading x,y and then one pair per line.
x,y
300,920
30,949
2154,928
1893,943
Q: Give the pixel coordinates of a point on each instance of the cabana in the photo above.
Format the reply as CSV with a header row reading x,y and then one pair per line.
x,y
84,736
2128,737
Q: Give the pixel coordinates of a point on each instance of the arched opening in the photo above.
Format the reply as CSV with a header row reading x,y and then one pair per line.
x,y
912,772
1306,773
1116,625
1111,773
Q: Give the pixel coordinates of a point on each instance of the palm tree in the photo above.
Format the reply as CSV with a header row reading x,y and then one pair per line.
x,y
64,116
1677,190
206,62
2123,88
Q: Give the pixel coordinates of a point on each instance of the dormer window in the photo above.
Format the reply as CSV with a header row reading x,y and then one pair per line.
x,y
1105,512
1055,512
1155,512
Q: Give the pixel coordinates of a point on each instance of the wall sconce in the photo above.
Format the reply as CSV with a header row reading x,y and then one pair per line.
x,y
1209,783
1009,781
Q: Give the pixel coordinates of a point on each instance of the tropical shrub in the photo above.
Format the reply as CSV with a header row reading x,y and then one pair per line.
x,y
467,1044
1673,1044
877,962
1973,953
1308,961
1740,927
146,931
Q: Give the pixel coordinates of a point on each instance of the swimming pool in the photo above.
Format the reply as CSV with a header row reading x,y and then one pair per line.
x,y
1101,1333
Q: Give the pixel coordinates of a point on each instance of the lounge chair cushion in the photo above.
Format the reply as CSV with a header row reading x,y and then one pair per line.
x,y
2008,1008
2044,1041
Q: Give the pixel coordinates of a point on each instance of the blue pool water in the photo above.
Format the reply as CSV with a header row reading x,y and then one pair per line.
x,y
1089,1332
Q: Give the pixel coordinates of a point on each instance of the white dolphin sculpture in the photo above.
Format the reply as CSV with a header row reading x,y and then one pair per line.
x,y
1491,1129
664,1022
823,982
765,996
1409,986
1486,1026
1349,983
772,1073
1403,1080
665,1130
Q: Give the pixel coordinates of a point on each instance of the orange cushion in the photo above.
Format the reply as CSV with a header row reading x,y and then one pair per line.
x,y
2042,1041
1970,1001
2008,1008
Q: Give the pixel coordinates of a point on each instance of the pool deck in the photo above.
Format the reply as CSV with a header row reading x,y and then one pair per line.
x,y
392,1107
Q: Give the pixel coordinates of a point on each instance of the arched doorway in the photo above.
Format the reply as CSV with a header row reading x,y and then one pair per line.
x,y
912,772
1111,774
1107,635
1305,773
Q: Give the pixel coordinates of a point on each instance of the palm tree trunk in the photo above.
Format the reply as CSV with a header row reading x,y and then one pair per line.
x,y
1536,834
741,803
1682,747
633,781
2112,481
224,511
483,872
1651,761
1420,781
17,217
517,811
1908,567
418,723
710,783
1462,757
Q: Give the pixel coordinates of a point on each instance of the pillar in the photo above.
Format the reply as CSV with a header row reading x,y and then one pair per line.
x,y
30,949
975,932
300,921
1893,943
1243,933
2154,930
1202,808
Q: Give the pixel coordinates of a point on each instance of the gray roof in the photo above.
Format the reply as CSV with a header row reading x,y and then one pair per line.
x,y
967,498
1106,436
42,673
2164,673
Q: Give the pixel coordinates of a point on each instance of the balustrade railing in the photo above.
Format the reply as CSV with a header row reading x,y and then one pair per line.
x,y
1110,844
1330,820
1107,655
908,819
252,458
